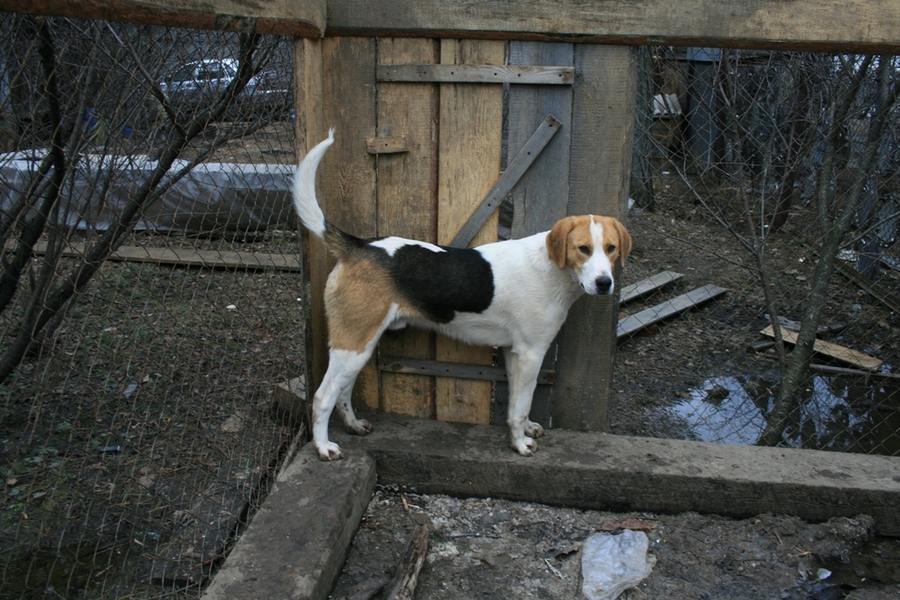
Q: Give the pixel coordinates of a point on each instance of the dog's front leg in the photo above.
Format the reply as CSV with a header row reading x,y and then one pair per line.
x,y
522,368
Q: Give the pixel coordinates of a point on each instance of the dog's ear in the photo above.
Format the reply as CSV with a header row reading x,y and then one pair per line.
x,y
558,239
624,242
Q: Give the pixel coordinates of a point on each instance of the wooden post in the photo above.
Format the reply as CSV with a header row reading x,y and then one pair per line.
x,y
605,94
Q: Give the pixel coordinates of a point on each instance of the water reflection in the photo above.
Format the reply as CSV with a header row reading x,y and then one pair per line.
x,y
836,413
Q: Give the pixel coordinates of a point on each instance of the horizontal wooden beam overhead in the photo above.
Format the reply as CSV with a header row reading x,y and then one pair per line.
x,y
812,25
301,18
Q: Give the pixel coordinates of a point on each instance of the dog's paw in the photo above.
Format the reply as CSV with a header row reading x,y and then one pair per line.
x,y
360,427
533,429
526,446
329,451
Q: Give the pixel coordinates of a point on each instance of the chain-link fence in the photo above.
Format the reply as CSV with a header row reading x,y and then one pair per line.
x,y
151,298
775,176
135,427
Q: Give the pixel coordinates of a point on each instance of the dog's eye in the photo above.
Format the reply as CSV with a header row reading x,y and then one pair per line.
x,y
610,249
585,250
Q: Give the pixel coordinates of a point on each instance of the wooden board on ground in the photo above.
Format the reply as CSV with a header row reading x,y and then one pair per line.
x,y
648,285
667,309
835,351
185,257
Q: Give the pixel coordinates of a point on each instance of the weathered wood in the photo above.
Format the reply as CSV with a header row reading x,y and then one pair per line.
x,y
387,145
813,25
539,196
299,18
667,309
452,369
407,205
186,257
402,585
835,351
477,74
346,177
604,102
471,118
309,127
600,471
527,155
646,286
298,540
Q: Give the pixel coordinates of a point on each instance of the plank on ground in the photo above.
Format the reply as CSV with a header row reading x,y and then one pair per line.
x,y
647,285
835,351
226,259
667,309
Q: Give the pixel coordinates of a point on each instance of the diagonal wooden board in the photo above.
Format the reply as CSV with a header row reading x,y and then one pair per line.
x,y
669,308
835,351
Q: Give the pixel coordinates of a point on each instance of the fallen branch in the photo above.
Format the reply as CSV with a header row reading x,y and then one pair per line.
x,y
402,585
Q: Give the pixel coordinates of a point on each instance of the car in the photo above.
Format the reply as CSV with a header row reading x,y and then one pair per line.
x,y
198,84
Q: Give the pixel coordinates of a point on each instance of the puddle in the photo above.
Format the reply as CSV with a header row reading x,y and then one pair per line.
x,y
837,413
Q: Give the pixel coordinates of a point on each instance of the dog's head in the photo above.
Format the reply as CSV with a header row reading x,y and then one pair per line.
x,y
590,246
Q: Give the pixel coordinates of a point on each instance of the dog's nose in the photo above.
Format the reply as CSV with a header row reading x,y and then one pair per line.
x,y
604,284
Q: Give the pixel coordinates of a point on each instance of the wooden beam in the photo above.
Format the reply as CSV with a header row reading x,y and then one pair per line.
x,y
411,366
835,351
477,74
813,25
599,471
186,257
299,18
505,183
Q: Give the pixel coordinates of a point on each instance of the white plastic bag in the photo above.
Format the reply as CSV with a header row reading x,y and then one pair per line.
x,y
610,564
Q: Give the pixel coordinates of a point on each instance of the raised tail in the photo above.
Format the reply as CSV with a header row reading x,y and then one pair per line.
x,y
305,202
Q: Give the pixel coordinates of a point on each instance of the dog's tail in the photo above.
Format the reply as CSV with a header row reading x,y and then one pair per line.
x,y
307,206
305,201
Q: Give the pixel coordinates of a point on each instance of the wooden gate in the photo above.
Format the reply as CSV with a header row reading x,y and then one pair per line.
x,y
425,129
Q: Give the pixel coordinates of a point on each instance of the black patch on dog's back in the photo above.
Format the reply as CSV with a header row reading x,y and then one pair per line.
x,y
440,284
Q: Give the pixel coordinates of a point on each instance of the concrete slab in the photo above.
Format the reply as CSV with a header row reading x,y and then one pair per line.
x,y
297,542
609,472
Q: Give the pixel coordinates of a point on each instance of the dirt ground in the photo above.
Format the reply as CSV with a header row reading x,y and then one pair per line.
x,y
488,548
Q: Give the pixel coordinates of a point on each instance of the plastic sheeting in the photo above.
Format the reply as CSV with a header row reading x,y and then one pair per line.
x,y
211,197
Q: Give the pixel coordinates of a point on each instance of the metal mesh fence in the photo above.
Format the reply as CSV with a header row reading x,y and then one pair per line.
x,y
773,176
135,423
151,298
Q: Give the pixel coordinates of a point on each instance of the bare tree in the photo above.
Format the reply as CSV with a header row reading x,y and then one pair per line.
x,y
71,80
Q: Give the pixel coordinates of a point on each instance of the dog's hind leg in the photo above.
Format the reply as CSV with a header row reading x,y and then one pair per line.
x,y
523,367
337,386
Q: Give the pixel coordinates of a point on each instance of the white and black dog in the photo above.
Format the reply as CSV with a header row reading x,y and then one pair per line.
x,y
513,294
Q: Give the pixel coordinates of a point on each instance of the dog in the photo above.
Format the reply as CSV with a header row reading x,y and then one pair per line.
x,y
511,294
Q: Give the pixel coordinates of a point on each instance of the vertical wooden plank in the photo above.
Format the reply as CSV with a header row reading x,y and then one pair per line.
x,y
602,139
540,196
407,204
347,173
471,118
309,129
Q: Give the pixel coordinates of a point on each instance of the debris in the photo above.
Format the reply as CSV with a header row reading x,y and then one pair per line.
x,y
612,564
835,351
402,585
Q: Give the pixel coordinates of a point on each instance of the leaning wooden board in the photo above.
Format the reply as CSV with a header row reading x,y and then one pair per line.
x,y
835,351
